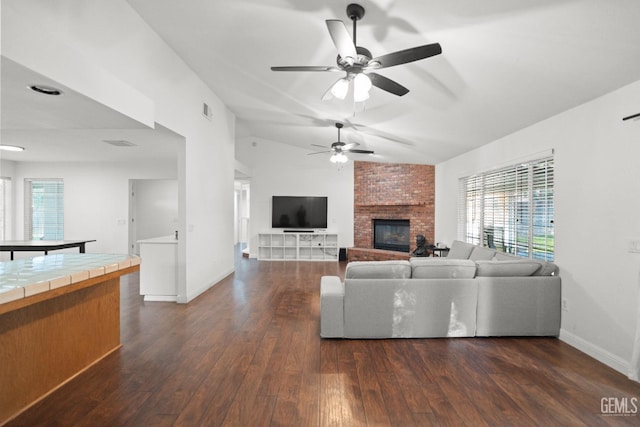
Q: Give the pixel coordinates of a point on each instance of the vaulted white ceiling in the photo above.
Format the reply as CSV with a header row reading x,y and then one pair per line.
x,y
505,65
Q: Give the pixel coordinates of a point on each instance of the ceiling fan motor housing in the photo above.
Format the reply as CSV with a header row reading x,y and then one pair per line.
x,y
364,56
337,146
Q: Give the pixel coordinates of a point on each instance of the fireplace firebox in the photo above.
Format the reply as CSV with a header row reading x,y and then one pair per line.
x,y
391,234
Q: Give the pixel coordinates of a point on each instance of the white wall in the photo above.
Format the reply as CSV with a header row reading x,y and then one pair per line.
x,y
7,170
283,170
597,200
96,199
107,42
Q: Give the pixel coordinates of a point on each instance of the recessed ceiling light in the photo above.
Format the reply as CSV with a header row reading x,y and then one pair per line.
x,y
46,90
11,147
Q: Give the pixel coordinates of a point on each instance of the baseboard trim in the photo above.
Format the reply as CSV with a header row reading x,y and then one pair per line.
x,y
598,353
211,284
161,298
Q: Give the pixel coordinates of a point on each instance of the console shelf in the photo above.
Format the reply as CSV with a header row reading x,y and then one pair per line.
x,y
297,247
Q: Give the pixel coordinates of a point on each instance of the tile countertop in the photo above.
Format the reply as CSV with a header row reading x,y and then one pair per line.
x,y
29,276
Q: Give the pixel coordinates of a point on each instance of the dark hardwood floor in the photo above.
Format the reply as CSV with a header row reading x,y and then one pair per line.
x,y
248,353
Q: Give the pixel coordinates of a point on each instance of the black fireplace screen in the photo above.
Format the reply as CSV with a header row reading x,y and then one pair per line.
x,y
391,234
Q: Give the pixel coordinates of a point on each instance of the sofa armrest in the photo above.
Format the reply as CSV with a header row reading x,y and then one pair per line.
x,y
518,306
331,307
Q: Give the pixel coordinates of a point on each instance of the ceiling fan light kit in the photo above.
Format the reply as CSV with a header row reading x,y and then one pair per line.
x,y
338,158
340,88
361,86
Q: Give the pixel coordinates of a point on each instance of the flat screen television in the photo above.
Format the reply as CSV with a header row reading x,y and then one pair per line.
x,y
299,212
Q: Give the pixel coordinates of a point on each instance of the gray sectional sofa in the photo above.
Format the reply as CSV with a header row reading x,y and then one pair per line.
x,y
474,291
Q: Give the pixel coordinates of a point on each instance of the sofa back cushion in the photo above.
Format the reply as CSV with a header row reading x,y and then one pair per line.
x,y
395,269
523,267
442,268
481,253
460,250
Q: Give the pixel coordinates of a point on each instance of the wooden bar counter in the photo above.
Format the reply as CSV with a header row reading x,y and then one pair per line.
x,y
59,314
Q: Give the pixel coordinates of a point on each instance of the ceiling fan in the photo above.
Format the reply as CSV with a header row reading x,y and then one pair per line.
x,y
339,148
359,64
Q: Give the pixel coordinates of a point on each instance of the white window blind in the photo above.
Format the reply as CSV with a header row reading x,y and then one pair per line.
x,y
510,209
44,209
5,208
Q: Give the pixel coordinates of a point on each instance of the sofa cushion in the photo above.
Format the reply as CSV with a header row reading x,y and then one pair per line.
x,y
442,268
394,269
481,253
514,268
460,250
503,256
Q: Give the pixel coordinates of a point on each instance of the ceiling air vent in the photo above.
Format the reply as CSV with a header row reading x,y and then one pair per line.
x,y
119,142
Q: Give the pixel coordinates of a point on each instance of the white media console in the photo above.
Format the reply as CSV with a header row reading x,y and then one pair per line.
x,y
298,247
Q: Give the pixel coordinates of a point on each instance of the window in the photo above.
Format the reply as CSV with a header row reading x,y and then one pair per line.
x,y
44,209
510,210
5,208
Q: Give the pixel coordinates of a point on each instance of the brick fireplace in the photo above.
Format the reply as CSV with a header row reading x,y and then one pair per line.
x,y
391,191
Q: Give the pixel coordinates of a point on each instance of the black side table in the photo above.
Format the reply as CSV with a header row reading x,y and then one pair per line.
x,y
440,251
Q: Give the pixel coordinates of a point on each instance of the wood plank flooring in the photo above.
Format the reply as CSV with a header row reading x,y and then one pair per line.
x,y
248,353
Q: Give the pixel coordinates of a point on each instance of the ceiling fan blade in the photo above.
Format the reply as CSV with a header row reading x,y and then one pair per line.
x,y
317,145
360,151
342,40
387,84
319,152
305,68
405,56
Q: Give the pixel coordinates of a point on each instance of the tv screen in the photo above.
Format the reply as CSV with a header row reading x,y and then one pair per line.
x,y
299,212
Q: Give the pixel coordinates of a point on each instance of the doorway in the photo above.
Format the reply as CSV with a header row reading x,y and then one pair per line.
x,y
241,214
153,210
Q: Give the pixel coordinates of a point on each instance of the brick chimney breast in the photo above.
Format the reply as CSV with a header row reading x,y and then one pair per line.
x,y
393,191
